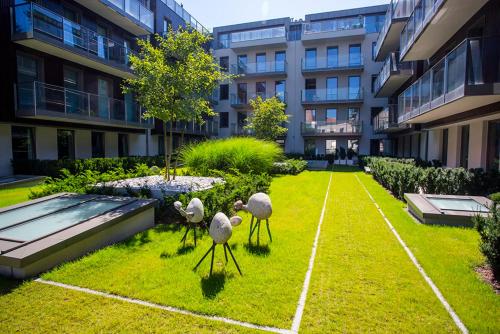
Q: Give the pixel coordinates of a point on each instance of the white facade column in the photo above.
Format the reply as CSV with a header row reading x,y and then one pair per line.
x,y
453,147
5,149
478,138
435,141
137,144
46,143
83,144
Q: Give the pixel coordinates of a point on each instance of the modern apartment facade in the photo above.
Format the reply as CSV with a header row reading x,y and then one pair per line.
x,y
63,67
441,76
322,67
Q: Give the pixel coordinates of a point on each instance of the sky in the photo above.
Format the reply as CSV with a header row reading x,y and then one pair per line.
x,y
214,13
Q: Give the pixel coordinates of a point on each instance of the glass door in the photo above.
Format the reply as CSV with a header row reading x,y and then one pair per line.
x,y
102,47
331,89
310,59
75,100
354,88
242,64
279,89
280,59
103,92
332,57
261,62
28,72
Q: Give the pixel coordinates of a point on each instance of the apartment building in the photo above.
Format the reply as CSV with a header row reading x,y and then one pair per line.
x,y
441,76
64,62
322,67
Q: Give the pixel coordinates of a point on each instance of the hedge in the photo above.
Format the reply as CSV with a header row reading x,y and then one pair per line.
x,y
402,176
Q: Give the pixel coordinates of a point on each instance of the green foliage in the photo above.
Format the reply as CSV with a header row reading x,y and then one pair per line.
x,y
495,197
289,167
404,176
242,154
489,230
53,168
267,119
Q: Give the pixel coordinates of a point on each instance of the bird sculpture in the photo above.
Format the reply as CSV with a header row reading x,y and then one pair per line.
x,y
221,230
194,214
259,205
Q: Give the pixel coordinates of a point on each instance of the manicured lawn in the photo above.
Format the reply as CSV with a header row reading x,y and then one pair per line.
x,y
10,196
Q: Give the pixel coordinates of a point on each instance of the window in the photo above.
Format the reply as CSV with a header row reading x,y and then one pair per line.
x,y
310,115
354,88
23,143
242,93
310,92
242,63
98,144
166,24
330,146
224,63
279,90
310,59
260,59
331,115
295,32
374,45
260,89
280,60
29,69
464,146
224,92
354,55
223,120
75,104
331,89
65,144
122,145
353,144
161,145
224,41
353,114
310,147
332,56
493,150
444,148
374,79
374,23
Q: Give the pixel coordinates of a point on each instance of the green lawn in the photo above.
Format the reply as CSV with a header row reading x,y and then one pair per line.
x,y
362,281
10,196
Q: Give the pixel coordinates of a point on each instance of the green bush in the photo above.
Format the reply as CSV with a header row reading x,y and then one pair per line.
x,y
222,196
53,168
289,167
489,230
495,198
241,154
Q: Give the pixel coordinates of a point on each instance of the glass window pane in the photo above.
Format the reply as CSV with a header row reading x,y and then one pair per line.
x,y
354,55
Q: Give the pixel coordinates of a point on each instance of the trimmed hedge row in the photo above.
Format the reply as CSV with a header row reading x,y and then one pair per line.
x,y
404,176
289,167
53,168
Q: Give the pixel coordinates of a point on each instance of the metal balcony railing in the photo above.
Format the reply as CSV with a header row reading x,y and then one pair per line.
x,y
30,18
332,95
350,127
137,10
184,14
268,67
41,99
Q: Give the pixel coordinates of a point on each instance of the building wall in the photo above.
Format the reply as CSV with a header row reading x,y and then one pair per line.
x,y
83,144
5,149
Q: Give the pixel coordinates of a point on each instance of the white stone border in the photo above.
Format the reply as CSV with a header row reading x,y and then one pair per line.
x,y
303,295
421,270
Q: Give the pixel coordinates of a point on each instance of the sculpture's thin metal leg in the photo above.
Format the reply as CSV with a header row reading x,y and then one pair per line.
x,y
213,254
194,230
204,256
268,230
234,259
251,229
185,235
258,232
225,252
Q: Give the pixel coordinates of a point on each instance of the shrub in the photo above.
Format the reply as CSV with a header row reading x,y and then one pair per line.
x,y
489,230
495,198
290,166
242,154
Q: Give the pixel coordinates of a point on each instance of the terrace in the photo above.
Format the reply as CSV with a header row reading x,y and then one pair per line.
x,y
392,75
261,69
332,96
336,28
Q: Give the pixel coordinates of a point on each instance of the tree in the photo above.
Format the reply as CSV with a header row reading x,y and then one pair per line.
x,y
173,80
267,118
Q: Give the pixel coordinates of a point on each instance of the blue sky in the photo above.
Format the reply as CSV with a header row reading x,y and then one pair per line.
x,y
212,13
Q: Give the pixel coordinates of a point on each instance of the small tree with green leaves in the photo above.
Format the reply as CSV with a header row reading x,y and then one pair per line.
x,y
267,119
173,80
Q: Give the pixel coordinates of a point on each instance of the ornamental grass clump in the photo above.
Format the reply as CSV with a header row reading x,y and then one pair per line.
x,y
244,155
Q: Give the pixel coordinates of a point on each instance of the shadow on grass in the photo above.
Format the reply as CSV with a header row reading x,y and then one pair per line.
x,y
259,250
212,285
7,285
136,241
185,249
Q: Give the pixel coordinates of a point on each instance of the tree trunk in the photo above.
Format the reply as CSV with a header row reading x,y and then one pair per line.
x,y
165,152
178,150
170,146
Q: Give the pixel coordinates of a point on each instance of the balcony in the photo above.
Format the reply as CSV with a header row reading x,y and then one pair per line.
x,y
188,18
466,78
38,28
432,23
242,101
397,15
130,15
332,129
330,29
263,69
332,64
208,129
332,96
43,101
245,40
392,76
386,121
239,130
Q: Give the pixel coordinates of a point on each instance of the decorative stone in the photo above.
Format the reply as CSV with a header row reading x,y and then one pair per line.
x,y
220,228
259,205
236,220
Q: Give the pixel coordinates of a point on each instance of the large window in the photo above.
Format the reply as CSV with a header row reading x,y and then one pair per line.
x,y
280,59
354,88
242,63
261,62
98,144
123,145
374,23
224,63
354,55
224,41
65,144
310,115
331,89
223,120
310,147
242,93
310,59
330,146
223,92
331,115
332,56
279,89
260,89
23,143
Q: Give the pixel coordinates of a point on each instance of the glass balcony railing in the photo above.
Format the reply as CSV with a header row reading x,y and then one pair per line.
x,y
268,67
243,99
387,118
30,18
188,18
331,128
471,68
332,63
209,128
391,66
41,99
333,95
258,34
137,10
342,24
398,9
423,12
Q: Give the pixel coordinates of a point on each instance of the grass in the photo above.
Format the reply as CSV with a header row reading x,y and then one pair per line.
x,y
243,154
14,195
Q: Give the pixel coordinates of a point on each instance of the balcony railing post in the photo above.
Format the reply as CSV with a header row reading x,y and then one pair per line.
x,y
34,96
65,102
88,105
